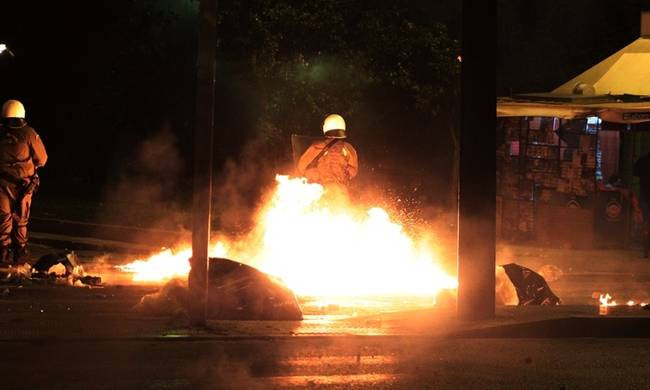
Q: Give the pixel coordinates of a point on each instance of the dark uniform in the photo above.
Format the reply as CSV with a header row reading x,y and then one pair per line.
x,y
21,152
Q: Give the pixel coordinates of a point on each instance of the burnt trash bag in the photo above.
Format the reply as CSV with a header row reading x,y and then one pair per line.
x,y
531,287
240,292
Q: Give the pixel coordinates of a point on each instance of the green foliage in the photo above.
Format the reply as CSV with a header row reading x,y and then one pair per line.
x,y
387,66
418,60
312,58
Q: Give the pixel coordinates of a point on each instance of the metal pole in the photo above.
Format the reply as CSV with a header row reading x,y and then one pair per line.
x,y
477,171
203,142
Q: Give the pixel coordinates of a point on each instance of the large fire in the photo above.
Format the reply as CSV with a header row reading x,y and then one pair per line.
x,y
320,245
166,264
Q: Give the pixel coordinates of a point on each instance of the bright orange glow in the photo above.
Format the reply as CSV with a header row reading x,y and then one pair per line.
x,y
320,245
605,303
606,300
631,303
166,264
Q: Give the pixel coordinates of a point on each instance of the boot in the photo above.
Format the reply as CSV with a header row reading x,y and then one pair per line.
x,y
21,256
5,256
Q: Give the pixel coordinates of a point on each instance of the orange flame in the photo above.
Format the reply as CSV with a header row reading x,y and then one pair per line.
x,y
166,264
605,303
606,300
319,245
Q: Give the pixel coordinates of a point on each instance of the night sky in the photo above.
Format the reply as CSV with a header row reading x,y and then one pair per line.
x,y
96,81
103,81
542,44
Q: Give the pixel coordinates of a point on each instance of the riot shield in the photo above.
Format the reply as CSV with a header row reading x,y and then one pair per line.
x,y
299,144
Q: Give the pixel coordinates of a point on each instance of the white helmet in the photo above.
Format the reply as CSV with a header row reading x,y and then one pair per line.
x,y
334,126
13,109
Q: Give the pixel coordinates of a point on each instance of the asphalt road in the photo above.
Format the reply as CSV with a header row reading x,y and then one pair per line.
x,y
327,363
58,337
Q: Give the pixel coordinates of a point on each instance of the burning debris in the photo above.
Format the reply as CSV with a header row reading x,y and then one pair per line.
x,y
56,268
531,288
166,264
319,244
237,292
606,300
606,303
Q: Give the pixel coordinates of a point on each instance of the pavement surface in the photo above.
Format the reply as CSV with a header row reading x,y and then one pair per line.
x,y
327,363
55,336
79,338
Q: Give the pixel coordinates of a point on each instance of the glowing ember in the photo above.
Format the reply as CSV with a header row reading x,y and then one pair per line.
x,y
320,245
606,300
605,303
631,303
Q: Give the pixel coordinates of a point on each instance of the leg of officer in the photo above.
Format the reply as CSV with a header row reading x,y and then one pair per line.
x,y
5,224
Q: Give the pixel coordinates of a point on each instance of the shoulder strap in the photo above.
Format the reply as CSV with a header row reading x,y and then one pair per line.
x,y
319,155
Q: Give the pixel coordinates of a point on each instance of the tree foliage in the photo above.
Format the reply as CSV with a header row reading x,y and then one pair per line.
x,y
380,64
387,65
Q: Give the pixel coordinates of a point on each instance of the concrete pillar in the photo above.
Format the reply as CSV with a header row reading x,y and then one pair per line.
x,y
477,169
203,142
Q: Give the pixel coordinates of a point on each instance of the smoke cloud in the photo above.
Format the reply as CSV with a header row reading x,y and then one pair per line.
x,y
239,189
150,188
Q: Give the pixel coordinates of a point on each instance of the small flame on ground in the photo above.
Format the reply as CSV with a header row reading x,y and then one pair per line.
x,y
605,303
320,245
606,300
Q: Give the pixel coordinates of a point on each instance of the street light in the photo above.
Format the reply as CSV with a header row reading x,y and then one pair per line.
x,y
4,48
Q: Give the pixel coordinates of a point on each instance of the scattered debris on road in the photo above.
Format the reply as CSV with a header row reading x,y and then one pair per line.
x,y
55,268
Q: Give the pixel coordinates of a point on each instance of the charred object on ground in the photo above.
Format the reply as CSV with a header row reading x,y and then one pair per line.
x,y
57,268
236,292
531,287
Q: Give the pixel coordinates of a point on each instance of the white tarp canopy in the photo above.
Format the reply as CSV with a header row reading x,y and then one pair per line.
x,y
625,72
610,110
617,89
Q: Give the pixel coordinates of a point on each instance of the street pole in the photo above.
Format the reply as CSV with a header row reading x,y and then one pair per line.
x,y
203,143
477,170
